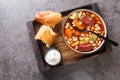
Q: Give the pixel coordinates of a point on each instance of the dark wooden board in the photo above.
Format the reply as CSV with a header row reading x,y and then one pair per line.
x,y
69,57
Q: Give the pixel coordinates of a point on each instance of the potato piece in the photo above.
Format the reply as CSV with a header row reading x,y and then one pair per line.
x,y
84,40
93,38
75,44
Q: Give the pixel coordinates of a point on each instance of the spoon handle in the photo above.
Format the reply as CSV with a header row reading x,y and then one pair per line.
x,y
111,41
107,39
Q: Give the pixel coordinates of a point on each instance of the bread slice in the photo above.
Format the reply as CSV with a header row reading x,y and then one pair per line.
x,y
46,35
48,18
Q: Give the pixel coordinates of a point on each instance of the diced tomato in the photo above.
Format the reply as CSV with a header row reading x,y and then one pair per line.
x,y
96,18
102,27
75,32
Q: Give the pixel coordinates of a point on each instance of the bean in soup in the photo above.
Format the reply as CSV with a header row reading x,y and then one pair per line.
x,y
83,41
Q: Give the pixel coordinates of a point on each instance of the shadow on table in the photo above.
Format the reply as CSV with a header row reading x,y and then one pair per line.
x,y
96,66
64,72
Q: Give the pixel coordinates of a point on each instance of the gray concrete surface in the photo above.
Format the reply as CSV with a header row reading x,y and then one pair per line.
x,y
17,60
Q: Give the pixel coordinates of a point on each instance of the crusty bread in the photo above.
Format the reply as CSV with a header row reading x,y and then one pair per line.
x,y
48,18
46,35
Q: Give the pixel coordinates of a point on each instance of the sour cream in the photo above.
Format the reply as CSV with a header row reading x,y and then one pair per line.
x,y
53,56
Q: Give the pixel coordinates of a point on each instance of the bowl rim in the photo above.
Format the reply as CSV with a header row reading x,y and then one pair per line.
x,y
105,29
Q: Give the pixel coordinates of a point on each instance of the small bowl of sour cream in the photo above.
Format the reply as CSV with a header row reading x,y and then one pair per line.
x,y
53,56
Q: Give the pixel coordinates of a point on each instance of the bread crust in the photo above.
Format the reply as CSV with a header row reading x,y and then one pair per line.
x,y
46,35
48,18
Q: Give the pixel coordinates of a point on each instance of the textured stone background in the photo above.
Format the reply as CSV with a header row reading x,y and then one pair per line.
x,y
17,60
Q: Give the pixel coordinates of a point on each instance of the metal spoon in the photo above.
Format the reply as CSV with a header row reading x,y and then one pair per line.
x,y
105,38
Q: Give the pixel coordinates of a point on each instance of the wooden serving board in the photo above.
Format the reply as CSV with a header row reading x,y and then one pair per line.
x,y
68,56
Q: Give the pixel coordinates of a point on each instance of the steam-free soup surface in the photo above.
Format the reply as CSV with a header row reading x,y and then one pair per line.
x,y
83,41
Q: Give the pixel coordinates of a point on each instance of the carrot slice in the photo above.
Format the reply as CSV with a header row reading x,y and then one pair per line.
x,y
68,32
78,25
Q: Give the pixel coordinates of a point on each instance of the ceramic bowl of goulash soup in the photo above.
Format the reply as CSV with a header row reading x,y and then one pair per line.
x,y
84,41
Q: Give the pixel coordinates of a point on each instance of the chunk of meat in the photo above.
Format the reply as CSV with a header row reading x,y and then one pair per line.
x,y
85,47
88,20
